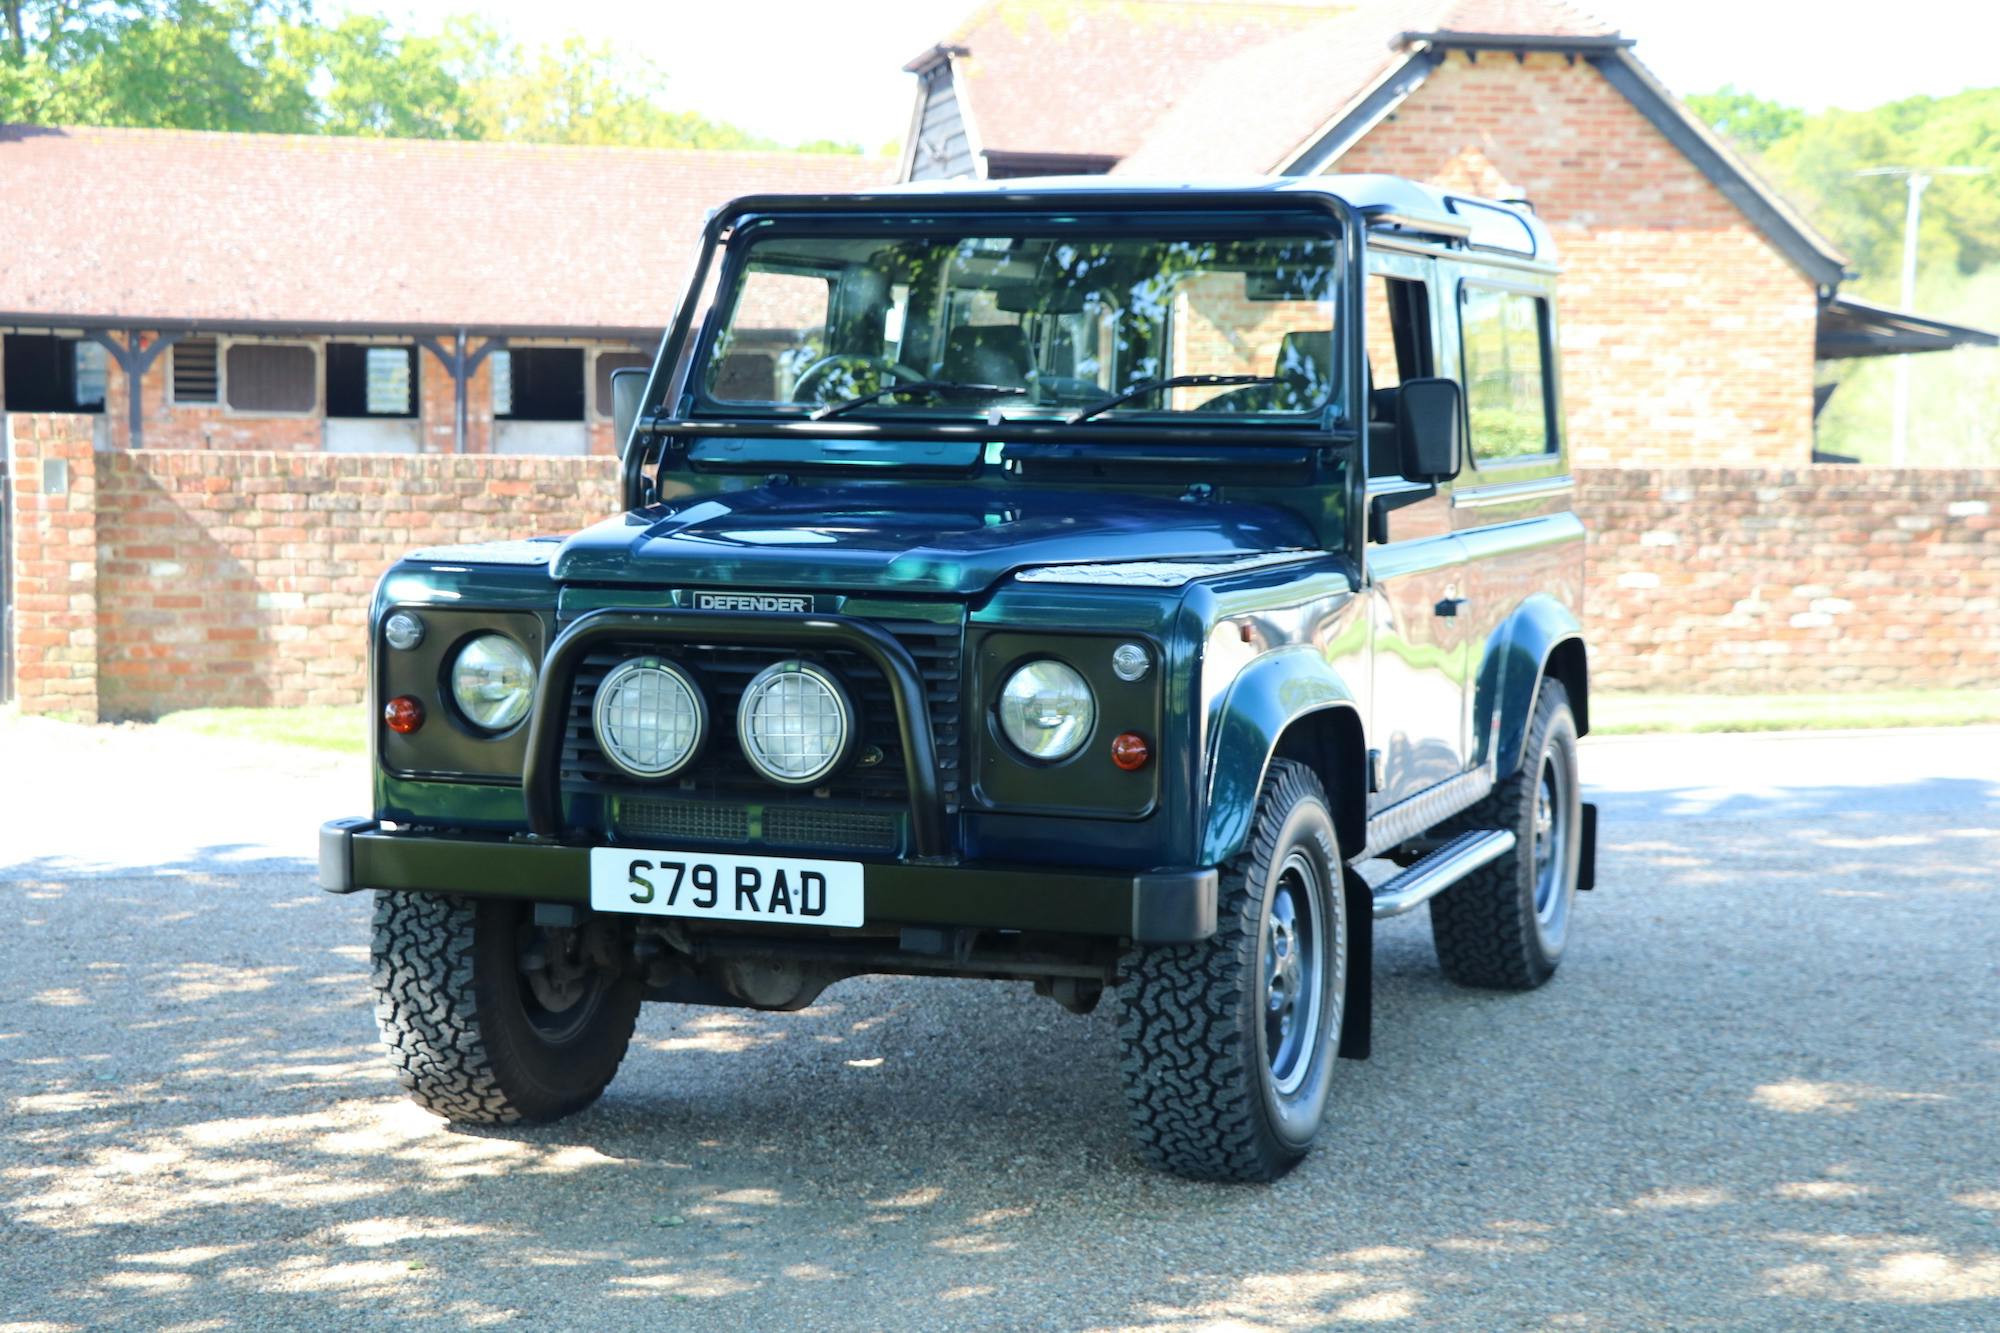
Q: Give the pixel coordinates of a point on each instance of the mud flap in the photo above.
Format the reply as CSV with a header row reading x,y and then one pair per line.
x,y
1357,1014
1586,870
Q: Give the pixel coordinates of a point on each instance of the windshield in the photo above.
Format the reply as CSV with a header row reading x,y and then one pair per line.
x,y
1033,320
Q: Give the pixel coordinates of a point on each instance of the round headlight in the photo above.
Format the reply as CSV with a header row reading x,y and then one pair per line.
x,y
648,717
493,682
1046,710
795,723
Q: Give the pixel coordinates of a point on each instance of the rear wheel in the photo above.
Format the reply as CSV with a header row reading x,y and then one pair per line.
x,y
1229,1044
1505,925
490,1019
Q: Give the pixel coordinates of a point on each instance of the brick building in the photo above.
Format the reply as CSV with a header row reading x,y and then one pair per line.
x,y
352,295
1699,308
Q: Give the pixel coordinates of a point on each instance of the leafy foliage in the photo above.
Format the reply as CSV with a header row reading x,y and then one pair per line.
x,y
1813,159
269,65
1745,118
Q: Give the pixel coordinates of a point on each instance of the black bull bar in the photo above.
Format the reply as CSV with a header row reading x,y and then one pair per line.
x,y
548,719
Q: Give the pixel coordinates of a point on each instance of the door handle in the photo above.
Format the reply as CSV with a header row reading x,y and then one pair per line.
x,y
1448,608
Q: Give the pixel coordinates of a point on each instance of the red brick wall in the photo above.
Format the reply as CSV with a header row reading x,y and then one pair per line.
x,y
244,578
1686,338
1781,579
52,518
180,579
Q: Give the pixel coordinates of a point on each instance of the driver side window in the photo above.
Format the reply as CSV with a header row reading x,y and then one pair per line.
x,y
779,329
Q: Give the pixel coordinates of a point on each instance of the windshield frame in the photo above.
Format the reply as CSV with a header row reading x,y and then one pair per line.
x,y
1243,214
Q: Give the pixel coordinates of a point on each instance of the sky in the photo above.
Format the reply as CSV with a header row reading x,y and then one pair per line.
x,y
797,70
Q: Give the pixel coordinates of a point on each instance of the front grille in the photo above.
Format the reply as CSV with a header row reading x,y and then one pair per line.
x,y
700,821
872,796
803,826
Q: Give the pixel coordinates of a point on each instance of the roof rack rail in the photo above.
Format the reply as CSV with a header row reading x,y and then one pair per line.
x,y
1424,224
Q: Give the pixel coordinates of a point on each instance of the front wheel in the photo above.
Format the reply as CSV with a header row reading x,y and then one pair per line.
x,y
491,1020
1229,1044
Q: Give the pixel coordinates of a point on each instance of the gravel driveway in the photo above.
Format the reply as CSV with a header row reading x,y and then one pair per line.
x,y
1764,1092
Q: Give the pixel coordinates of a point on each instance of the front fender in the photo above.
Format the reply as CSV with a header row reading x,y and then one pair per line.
x,y
1510,676
1270,695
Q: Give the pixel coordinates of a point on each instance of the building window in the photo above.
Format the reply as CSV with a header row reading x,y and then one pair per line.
x,y
42,373
370,381
608,362
537,383
196,374
88,366
271,377
1506,373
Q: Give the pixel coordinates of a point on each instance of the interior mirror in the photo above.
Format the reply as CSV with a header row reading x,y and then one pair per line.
x,y
628,390
1429,424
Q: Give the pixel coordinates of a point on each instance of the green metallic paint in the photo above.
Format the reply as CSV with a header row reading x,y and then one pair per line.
x,y
1242,658
1266,697
1511,675
470,805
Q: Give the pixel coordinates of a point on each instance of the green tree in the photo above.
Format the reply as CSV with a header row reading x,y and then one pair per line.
x,y
1748,120
185,64
270,65
575,92
377,82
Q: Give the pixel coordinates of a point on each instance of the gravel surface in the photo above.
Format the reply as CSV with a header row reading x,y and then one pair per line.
x,y
1761,1093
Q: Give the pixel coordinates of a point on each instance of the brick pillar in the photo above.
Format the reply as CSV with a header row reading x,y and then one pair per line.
x,y
52,485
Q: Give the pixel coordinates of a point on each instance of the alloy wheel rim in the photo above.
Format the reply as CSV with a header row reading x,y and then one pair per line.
x,y
1551,849
559,994
1294,947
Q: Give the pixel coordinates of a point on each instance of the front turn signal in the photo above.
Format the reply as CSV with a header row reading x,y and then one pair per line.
x,y
403,714
1130,751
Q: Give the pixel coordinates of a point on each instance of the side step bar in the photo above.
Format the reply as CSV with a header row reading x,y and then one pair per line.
x,y
1440,870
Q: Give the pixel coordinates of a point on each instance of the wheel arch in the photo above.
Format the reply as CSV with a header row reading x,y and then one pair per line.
x,y
1542,638
1286,705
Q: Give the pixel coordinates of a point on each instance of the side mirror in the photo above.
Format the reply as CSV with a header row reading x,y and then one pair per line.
x,y
1429,417
628,390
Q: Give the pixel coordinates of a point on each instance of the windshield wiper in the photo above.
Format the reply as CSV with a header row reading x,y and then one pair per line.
x,y
936,388
1146,387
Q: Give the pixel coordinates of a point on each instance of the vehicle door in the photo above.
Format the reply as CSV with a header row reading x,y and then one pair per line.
x,y
1419,690
1510,503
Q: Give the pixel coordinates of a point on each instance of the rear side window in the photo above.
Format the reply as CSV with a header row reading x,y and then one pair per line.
x,y
1506,373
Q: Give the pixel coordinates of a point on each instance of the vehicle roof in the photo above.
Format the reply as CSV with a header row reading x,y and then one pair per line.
x,y
1489,222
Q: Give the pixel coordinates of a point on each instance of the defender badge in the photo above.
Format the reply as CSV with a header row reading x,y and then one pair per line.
x,y
751,601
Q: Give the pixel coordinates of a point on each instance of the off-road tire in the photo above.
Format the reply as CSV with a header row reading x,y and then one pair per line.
x,y
1485,926
1203,1099
449,1000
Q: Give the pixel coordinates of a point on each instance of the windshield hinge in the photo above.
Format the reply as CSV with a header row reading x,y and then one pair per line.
x,y
1200,492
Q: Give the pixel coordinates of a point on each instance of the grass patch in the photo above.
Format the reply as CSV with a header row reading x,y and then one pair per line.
x,y
1630,714
341,729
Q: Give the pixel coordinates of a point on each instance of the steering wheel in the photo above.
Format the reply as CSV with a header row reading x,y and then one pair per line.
x,y
819,376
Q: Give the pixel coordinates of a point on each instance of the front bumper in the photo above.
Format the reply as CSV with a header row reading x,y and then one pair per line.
x,y
1156,907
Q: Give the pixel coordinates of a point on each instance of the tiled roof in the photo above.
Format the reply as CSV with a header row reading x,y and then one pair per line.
x,y
1249,111
1517,18
243,228
1189,87
1090,77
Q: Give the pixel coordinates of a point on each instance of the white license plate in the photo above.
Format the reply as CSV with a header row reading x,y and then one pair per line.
x,y
716,887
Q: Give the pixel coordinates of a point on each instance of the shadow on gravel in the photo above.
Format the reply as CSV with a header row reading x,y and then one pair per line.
x,y
1761,1093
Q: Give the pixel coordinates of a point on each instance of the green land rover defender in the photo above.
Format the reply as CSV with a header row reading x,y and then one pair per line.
x,y
1119,589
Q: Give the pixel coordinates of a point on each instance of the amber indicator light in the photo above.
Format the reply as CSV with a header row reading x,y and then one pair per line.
x,y
1130,751
403,715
